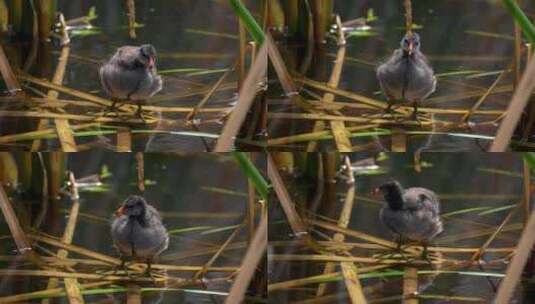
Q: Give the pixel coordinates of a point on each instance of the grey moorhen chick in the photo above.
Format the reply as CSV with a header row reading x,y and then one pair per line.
x,y
412,213
131,75
138,232
406,75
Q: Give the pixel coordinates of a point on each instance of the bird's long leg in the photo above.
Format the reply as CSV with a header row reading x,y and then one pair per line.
x,y
388,110
139,112
148,271
125,268
398,250
414,115
113,108
117,267
401,241
425,255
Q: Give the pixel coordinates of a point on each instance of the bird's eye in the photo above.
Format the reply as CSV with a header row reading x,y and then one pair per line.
x,y
144,54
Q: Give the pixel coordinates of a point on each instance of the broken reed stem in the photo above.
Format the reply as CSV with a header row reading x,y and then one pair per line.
x,y
45,198
13,223
191,115
315,279
199,275
78,275
370,246
45,14
339,131
296,223
62,103
530,121
527,191
517,60
108,260
398,140
80,94
253,256
480,101
410,285
311,136
64,131
140,165
133,294
46,292
477,255
71,284
514,110
11,81
343,222
514,270
285,79
28,135
124,140
247,94
408,16
251,210
308,116
351,279
131,8
243,51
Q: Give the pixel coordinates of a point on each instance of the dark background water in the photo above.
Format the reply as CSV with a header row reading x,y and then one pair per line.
x,y
448,40
188,190
461,180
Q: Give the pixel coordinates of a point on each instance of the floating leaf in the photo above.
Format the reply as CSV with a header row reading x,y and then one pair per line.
x,y
105,172
366,32
370,16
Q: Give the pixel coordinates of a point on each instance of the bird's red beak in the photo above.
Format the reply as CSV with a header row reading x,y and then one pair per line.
x,y
376,191
119,211
411,47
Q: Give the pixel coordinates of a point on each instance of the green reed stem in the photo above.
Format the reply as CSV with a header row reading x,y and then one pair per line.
x,y
247,166
250,23
530,159
521,18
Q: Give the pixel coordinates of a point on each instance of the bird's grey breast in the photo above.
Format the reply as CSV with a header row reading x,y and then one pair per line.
x,y
420,79
149,240
149,86
145,241
391,75
121,234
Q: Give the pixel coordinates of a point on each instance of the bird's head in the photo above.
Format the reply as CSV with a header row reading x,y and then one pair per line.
x,y
410,43
147,55
133,206
388,187
392,192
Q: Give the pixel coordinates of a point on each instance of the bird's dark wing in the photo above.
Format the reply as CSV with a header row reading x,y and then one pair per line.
x,y
418,198
104,79
127,57
152,214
